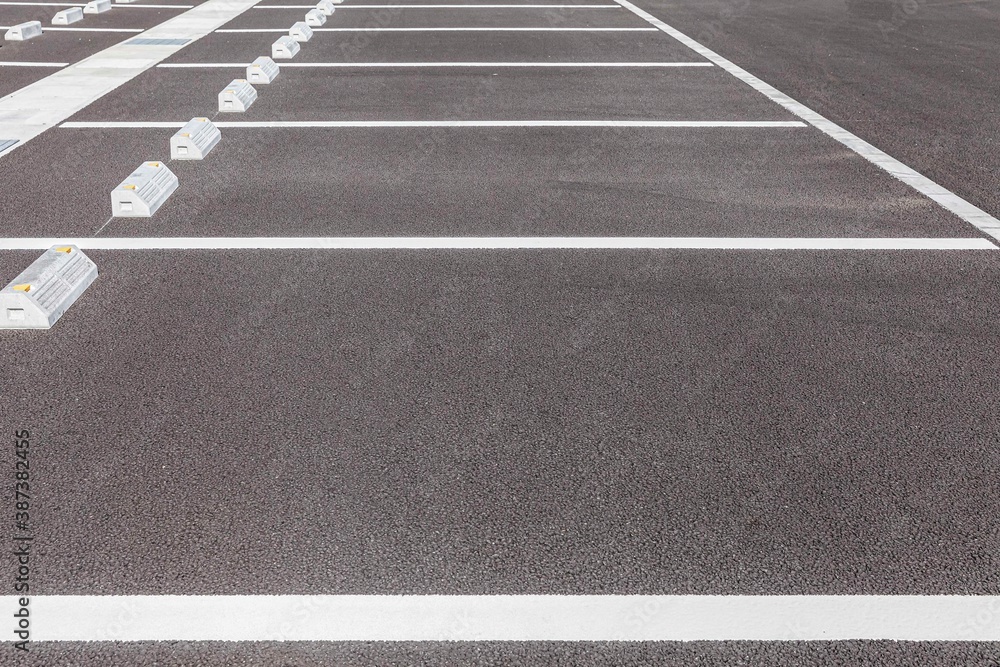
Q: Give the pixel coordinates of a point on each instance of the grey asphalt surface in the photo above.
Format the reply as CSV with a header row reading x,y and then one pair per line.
x,y
610,436
470,182
446,47
675,422
918,79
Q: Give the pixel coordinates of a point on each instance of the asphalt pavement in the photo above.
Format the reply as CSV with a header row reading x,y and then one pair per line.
x,y
515,422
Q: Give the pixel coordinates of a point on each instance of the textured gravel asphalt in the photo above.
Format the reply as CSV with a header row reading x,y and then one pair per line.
x,y
672,422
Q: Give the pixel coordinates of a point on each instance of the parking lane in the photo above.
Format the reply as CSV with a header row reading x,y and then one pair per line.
x,y
453,93
446,47
434,18
475,182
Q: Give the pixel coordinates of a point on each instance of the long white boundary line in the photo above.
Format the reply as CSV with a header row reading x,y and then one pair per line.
x,y
437,29
52,29
296,124
972,214
32,64
432,64
495,243
252,618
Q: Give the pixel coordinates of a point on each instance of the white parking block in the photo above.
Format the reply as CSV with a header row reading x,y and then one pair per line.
x,y
68,16
144,191
195,140
39,296
97,7
237,96
262,71
300,32
22,32
285,48
315,18
326,6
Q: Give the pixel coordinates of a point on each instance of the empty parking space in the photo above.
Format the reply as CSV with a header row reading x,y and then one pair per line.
x,y
471,46
443,93
611,437
448,18
784,182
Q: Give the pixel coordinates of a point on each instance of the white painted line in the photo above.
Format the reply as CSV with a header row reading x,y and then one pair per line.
x,y
497,243
117,6
292,124
29,64
276,30
429,64
129,30
43,4
383,618
44,104
342,7
972,214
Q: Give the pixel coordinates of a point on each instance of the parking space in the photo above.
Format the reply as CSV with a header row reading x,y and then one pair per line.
x,y
439,93
451,46
459,17
783,182
807,447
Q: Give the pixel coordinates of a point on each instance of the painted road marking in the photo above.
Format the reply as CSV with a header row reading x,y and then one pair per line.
x,y
512,617
430,64
293,124
972,214
275,30
83,4
342,7
38,64
495,243
44,104
52,29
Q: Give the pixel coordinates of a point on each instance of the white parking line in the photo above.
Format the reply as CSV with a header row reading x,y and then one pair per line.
x,y
342,7
292,124
51,29
32,110
276,30
381,618
83,4
430,64
972,214
495,243
30,64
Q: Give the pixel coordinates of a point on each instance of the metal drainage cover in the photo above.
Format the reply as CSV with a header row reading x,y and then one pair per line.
x,y
145,41
6,143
